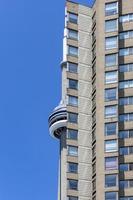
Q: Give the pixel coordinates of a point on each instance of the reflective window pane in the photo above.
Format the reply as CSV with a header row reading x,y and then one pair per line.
x,y
72,117
72,134
73,34
111,196
72,51
111,25
72,67
110,180
111,77
73,18
73,84
111,163
111,8
110,129
72,184
111,60
72,100
73,167
110,145
72,151
110,111
110,94
111,43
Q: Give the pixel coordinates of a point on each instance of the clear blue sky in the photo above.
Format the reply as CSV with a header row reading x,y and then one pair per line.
x,y
30,52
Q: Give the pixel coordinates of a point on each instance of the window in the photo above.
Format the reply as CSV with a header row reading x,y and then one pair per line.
x,y
111,43
72,198
126,184
110,111
73,18
111,8
126,167
126,35
110,128
111,163
126,84
126,150
72,134
126,117
110,94
123,184
111,25
123,150
126,68
111,77
126,134
73,84
72,51
72,184
72,67
126,198
72,151
73,117
73,167
110,180
73,34
110,145
111,60
126,51
123,167
72,100
110,195
126,18
126,100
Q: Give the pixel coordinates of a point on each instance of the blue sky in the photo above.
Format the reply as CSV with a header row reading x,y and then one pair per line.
x,y
30,52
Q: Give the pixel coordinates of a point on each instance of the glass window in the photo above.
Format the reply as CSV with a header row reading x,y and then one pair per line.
x,y
111,8
111,25
72,134
72,151
110,195
123,184
123,134
110,94
111,163
126,35
110,145
110,128
111,60
126,67
73,167
123,150
72,67
126,51
130,166
72,198
73,84
126,84
126,18
126,101
126,198
111,77
72,184
72,117
110,111
130,150
73,18
110,180
126,117
123,167
73,51
111,43
73,34
72,100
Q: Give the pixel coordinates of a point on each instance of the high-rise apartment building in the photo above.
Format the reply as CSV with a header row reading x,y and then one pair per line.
x,y
94,121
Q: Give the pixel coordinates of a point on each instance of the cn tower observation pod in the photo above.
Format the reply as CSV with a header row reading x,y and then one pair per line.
x,y
58,121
